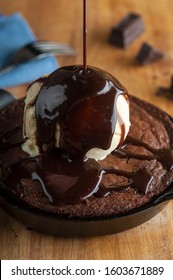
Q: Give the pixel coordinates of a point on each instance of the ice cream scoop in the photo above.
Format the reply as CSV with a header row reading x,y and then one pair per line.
x,y
85,115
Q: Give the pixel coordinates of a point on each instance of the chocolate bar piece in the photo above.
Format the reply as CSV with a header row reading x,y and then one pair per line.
x,y
127,30
148,54
166,91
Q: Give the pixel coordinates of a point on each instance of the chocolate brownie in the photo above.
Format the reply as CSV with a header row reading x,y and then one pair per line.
x,y
131,176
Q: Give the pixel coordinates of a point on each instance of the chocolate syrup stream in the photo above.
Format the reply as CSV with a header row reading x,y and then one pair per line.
x,y
83,102
85,37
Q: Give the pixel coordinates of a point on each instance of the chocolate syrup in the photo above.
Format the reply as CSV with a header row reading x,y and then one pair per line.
x,y
85,37
84,107
60,180
165,156
64,181
139,179
81,101
67,182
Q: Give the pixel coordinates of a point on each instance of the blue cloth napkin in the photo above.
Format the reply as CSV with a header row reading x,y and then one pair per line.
x,y
14,34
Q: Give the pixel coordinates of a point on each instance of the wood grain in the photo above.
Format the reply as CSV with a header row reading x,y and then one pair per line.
x,y
61,20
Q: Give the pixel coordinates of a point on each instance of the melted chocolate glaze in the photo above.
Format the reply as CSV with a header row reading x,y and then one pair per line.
x,y
64,181
60,180
68,182
165,156
68,96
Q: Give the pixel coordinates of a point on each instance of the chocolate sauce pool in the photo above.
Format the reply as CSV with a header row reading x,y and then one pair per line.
x,y
67,182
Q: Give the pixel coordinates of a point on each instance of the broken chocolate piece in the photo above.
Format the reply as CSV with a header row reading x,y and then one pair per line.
x,y
127,30
166,91
148,54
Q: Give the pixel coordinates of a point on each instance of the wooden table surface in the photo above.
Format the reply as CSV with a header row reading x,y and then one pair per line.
x,y
61,20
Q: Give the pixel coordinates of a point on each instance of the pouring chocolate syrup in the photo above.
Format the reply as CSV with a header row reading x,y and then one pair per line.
x,y
85,37
82,100
70,96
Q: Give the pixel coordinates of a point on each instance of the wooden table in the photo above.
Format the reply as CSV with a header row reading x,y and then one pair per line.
x,y
61,20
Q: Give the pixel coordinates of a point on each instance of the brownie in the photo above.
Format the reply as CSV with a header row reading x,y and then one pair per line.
x,y
149,125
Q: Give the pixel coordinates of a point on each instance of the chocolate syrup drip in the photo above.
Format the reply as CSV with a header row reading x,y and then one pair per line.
x,y
63,181
83,106
68,182
139,179
164,156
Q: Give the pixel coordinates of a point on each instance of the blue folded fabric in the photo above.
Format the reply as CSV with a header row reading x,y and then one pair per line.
x,y
28,72
14,34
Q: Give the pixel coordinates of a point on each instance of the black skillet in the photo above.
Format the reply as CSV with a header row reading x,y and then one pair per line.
x,y
66,227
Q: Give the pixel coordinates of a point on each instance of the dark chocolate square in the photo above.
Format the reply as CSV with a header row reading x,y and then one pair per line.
x,y
127,30
148,54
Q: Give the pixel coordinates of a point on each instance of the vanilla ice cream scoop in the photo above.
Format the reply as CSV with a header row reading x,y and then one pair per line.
x,y
85,115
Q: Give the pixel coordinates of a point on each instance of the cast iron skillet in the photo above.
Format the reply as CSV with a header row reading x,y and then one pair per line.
x,y
54,225
51,224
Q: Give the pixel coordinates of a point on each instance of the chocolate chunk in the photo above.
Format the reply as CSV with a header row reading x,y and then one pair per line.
x,y
148,54
166,91
127,30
